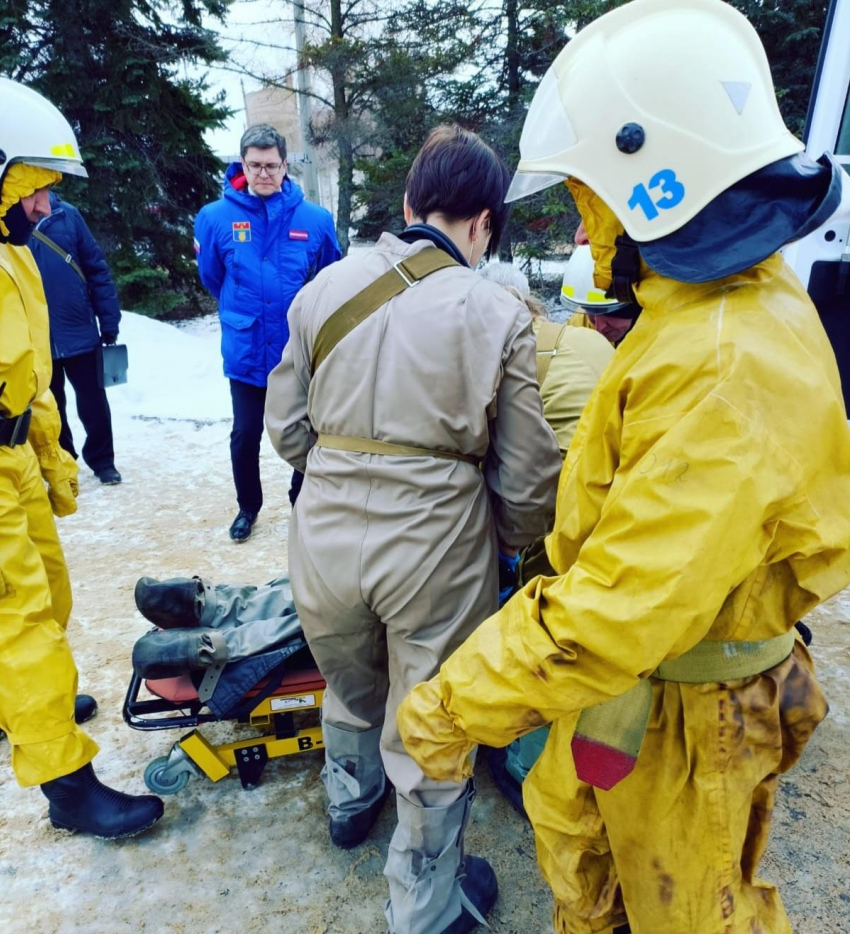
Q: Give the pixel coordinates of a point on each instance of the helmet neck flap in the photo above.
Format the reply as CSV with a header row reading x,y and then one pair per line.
x,y
751,220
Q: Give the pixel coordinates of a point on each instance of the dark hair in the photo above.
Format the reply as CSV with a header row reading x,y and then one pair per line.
x,y
263,136
457,174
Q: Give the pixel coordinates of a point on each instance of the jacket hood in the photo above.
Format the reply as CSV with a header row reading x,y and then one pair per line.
x,y
236,189
602,229
753,219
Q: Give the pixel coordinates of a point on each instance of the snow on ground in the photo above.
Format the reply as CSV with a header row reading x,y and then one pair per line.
x,y
224,859
174,373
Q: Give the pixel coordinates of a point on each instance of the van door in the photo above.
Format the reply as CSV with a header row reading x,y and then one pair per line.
x,y
822,260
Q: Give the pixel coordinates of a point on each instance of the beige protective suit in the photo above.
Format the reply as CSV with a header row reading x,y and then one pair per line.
x,y
704,500
393,559
577,364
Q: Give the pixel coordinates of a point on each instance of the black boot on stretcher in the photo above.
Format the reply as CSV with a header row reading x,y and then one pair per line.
x,y
80,802
170,604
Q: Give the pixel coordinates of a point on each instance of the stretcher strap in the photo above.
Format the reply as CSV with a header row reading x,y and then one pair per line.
x,y
608,736
214,649
371,446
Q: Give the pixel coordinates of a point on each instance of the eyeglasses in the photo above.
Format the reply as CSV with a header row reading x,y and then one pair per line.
x,y
257,168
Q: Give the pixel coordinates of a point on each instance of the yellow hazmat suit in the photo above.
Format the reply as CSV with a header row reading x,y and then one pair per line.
x,y
38,679
701,500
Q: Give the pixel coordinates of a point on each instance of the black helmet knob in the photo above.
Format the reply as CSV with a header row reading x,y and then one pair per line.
x,y
630,137
2,157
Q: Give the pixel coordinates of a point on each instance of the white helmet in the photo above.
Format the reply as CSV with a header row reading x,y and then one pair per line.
x,y
579,292
33,131
658,107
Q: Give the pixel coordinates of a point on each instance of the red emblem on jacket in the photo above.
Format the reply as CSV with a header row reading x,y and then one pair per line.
x,y
298,235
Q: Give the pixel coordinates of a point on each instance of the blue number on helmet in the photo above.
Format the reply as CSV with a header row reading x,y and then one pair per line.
x,y
672,193
672,190
640,199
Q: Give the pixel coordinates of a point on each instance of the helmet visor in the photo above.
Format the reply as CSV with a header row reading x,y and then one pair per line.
x,y
524,184
546,133
66,166
594,303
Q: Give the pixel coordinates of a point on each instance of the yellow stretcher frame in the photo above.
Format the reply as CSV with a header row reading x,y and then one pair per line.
x,y
217,761
194,754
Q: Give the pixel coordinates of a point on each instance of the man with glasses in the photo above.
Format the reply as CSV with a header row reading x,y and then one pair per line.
x,y
256,246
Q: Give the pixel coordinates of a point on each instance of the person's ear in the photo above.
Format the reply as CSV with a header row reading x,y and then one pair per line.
x,y
479,224
408,211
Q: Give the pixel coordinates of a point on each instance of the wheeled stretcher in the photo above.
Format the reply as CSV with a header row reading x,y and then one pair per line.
x,y
275,707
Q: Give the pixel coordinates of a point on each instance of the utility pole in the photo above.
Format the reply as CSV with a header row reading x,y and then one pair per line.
x,y
305,106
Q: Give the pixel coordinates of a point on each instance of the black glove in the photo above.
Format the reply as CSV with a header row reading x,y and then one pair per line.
x,y
109,337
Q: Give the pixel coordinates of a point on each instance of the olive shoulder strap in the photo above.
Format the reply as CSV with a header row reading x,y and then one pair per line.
x,y
405,274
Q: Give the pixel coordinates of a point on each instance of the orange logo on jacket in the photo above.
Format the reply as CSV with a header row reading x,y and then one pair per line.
x,y
241,231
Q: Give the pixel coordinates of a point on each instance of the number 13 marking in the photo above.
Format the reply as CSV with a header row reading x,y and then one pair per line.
x,y
672,193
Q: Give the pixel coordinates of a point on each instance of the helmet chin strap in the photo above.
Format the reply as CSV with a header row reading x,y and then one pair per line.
x,y
625,270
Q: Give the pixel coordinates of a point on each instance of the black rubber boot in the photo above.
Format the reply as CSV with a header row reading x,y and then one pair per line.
x,y
80,802
85,707
171,604
351,832
481,888
171,652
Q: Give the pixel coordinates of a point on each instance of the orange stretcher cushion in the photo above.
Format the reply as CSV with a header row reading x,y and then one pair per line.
x,y
180,690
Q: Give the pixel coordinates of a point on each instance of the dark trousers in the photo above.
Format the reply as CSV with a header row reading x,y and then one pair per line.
x,y
249,403
85,372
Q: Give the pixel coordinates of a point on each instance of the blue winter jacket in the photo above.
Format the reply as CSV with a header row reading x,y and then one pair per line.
x,y
254,254
75,306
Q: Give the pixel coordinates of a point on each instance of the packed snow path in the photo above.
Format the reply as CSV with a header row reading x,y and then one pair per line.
x,y
224,859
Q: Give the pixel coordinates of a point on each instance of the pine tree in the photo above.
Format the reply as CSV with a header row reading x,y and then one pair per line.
x,y
117,70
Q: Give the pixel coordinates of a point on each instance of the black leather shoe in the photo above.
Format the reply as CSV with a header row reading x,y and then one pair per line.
x,y
85,707
243,525
352,831
481,888
80,802
109,476
504,781
176,603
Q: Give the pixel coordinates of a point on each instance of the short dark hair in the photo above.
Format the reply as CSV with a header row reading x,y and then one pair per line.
x,y
457,174
263,136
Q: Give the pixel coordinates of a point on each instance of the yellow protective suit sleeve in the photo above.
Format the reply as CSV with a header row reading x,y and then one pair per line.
x,y
25,369
566,643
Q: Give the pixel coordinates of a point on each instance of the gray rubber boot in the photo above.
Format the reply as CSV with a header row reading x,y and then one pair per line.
x,y
355,781
423,866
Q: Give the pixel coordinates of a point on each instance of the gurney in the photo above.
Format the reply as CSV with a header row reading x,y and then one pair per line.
x,y
275,691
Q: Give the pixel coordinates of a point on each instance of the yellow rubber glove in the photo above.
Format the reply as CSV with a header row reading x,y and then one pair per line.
x,y
432,737
59,471
58,468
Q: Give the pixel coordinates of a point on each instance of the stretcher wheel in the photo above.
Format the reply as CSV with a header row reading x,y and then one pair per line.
x,y
160,782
